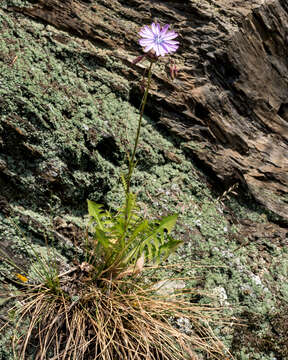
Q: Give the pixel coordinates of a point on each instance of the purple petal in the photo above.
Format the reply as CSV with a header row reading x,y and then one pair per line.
x,y
145,42
146,32
163,50
170,35
146,35
157,49
166,48
149,47
173,48
171,42
164,29
155,29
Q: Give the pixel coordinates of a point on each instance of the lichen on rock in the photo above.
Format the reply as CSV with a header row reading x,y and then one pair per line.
x,y
68,111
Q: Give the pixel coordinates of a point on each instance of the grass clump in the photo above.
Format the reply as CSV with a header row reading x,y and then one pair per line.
x,y
112,305
110,319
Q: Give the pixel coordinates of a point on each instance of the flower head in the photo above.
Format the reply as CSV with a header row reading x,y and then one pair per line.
x,y
157,39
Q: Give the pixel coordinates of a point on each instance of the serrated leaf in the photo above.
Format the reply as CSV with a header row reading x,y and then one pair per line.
x,y
95,211
124,182
119,228
169,247
130,204
141,228
168,223
101,237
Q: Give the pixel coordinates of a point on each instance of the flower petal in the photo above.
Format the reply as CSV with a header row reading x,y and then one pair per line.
x,y
163,50
143,36
164,29
171,48
156,47
166,48
170,35
155,29
171,42
158,28
146,32
149,47
146,35
145,42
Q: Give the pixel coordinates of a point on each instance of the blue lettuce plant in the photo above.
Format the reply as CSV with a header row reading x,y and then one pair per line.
x,y
124,241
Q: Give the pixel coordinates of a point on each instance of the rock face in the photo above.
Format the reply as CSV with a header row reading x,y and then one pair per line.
x,y
69,99
229,104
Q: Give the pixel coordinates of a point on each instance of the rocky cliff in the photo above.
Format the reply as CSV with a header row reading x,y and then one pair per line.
x,y
229,103
69,95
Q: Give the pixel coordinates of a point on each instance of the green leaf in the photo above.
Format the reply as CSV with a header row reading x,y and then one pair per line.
x,y
95,211
121,238
124,182
119,228
102,238
141,228
168,223
130,205
170,246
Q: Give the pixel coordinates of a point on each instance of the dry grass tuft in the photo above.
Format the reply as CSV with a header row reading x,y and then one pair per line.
x,y
110,320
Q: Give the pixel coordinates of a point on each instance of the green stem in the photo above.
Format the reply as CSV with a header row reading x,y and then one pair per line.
x,y
143,103
132,159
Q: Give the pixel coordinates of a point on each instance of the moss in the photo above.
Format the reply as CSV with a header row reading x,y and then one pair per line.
x,y
6,351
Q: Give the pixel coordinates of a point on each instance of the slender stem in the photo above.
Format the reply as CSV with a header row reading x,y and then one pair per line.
x,y
132,159
112,263
144,100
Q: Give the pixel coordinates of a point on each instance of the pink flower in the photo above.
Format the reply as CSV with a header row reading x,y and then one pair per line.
x,y
157,39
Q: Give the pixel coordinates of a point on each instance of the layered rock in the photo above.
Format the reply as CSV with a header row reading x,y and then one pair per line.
x,y
229,104
66,122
